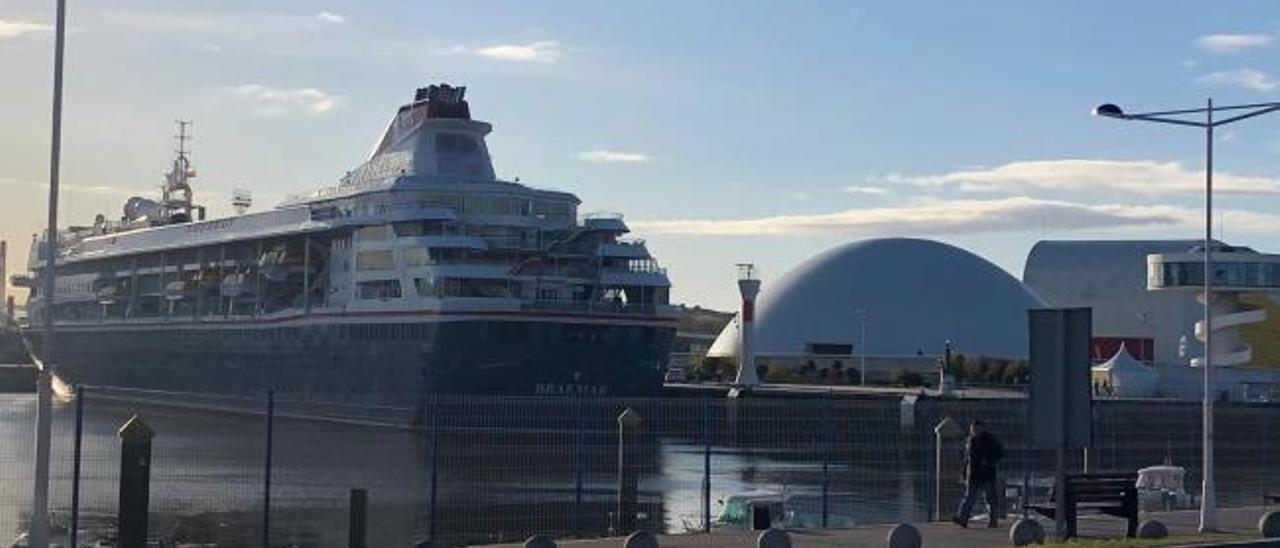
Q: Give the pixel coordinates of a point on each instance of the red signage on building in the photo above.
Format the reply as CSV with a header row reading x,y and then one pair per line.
x,y
1104,348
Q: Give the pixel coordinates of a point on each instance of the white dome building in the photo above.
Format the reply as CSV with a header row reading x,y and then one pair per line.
x,y
910,295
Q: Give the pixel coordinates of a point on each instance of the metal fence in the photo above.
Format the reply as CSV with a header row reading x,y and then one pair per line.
x,y
471,469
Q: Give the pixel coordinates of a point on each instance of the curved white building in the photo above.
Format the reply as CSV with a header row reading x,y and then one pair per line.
x,y
910,295
1236,270
1110,276
1145,296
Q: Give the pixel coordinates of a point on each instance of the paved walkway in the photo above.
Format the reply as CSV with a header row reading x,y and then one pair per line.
x,y
1235,523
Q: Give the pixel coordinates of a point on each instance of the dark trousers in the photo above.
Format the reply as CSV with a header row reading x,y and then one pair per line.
x,y
971,491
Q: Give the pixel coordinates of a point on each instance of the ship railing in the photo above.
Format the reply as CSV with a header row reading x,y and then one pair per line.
x,y
602,215
636,269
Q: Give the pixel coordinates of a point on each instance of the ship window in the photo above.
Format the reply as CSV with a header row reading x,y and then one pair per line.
x,y
379,290
410,228
426,287
458,154
374,260
371,234
416,256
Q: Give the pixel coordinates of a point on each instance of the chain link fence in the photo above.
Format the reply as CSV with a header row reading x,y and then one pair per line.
x,y
477,470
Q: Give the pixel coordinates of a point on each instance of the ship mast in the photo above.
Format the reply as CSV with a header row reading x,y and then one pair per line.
x,y
176,192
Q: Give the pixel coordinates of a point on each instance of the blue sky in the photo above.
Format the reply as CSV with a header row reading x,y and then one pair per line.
x,y
725,131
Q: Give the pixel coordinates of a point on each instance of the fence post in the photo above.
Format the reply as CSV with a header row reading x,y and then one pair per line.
x,y
1266,457
357,528
74,533
577,468
266,472
135,483
628,426
435,459
706,463
945,428
826,458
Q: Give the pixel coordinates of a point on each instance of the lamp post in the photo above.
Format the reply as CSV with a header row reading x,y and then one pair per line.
x,y
38,533
1188,117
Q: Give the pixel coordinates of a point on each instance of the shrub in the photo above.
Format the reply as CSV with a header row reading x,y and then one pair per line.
x,y
778,373
908,379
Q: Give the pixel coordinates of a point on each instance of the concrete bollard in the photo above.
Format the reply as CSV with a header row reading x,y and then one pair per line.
x,y
773,538
1152,529
1269,525
539,541
628,482
135,482
1026,531
640,539
904,535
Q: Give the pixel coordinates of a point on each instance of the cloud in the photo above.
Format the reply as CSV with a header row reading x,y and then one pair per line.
x,y
82,188
543,51
1233,43
867,190
612,157
943,217
1142,177
15,29
330,17
1253,79
268,101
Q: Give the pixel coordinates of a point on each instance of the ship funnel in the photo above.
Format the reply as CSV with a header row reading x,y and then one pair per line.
x,y
434,136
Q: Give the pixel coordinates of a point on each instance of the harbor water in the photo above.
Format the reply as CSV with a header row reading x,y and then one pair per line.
x,y
507,467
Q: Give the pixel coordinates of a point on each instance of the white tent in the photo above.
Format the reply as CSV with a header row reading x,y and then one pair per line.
x,y
1125,377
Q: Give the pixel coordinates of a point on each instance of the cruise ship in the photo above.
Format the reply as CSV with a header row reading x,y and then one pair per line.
x,y
419,271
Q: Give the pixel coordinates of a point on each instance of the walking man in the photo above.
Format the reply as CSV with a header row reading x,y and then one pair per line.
x,y
982,452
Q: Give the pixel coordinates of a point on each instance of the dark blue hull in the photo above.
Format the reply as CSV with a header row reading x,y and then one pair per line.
x,y
383,362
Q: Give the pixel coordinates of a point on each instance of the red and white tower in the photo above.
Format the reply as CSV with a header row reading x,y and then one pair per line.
x,y
748,287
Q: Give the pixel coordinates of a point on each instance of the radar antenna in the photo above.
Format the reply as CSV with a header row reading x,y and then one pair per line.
x,y
241,200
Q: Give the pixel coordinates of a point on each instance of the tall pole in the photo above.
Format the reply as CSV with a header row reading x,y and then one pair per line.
x,y
1208,506
862,347
39,532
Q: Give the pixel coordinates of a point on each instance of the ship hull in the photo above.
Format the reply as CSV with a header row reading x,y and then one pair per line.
x,y
391,361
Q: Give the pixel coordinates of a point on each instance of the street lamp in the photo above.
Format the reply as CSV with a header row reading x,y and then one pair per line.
x,y
1187,117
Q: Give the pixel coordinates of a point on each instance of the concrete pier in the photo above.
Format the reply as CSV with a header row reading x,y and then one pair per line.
x,y
1237,524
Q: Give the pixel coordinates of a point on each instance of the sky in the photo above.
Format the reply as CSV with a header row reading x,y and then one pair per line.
x,y
726,131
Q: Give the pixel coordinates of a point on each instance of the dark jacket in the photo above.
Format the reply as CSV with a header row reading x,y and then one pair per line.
x,y
981,454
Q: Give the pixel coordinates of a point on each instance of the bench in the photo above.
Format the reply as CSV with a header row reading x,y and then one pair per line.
x,y
1113,494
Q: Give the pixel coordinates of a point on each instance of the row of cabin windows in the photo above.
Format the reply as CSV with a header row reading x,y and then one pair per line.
x,y
378,290
383,259
476,205
495,236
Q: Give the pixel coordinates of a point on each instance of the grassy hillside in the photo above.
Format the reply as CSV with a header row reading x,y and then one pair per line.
x,y
704,321
1264,336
